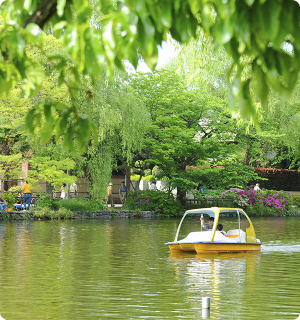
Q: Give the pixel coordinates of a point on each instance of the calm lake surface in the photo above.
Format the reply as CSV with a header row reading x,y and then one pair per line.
x,y
121,269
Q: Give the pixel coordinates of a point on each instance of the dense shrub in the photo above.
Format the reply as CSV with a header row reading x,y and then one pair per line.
x,y
45,201
296,200
262,210
47,213
162,203
73,204
261,202
80,204
9,198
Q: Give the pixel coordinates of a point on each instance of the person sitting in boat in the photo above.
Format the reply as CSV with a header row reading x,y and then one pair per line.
x,y
210,223
220,228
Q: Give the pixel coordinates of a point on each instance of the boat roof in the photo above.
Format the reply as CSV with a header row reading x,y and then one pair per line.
x,y
212,211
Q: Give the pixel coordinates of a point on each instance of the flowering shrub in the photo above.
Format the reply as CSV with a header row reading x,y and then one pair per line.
x,y
266,198
162,203
237,195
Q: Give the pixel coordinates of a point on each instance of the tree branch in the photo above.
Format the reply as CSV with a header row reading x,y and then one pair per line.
x,y
42,14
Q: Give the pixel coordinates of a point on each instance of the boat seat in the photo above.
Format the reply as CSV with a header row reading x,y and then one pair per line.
x,y
197,236
238,235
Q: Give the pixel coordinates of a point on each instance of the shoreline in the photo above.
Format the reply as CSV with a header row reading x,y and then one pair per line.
x,y
110,214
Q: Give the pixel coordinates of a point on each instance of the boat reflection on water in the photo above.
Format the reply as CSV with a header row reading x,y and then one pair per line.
x,y
225,278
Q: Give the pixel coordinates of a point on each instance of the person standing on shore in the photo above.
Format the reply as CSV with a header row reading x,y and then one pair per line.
x,y
110,195
63,191
256,188
153,186
27,191
73,190
123,192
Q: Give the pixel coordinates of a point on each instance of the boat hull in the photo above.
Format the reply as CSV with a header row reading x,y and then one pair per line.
x,y
226,247
214,247
185,247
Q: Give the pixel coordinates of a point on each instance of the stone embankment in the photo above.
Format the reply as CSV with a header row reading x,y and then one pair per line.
x,y
101,214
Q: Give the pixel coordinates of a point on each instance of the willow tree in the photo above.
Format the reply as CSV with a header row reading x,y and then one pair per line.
x,y
284,117
203,65
261,36
121,119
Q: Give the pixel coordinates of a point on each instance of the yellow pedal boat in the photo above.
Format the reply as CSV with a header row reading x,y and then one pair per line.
x,y
240,238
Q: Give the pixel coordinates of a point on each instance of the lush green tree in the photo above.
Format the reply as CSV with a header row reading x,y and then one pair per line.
x,y
188,126
228,174
55,172
205,66
10,167
261,36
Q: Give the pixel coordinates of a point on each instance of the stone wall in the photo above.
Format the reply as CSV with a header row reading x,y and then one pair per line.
x,y
101,214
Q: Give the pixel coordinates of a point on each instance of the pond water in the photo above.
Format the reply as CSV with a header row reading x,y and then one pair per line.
x,y
121,269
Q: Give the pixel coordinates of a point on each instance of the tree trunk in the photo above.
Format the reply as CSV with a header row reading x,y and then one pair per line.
x,y
49,188
247,157
43,13
181,196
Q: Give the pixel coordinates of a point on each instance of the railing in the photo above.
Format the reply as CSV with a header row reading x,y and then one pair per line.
x,y
206,200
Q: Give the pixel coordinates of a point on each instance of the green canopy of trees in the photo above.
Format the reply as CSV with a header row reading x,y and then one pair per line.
x,y
261,37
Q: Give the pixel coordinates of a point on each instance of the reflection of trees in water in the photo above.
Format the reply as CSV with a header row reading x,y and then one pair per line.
x,y
223,277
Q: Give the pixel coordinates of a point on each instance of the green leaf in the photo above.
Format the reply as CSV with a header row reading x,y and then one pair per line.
x,y
71,40
249,2
59,27
260,86
296,29
91,63
207,16
29,120
61,78
245,102
166,13
73,80
61,125
270,17
27,5
60,7
147,31
34,33
68,138
109,41
34,79
83,134
48,108
232,49
46,132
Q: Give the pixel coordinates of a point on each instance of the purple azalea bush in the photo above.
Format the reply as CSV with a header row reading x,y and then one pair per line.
x,y
249,197
146,200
